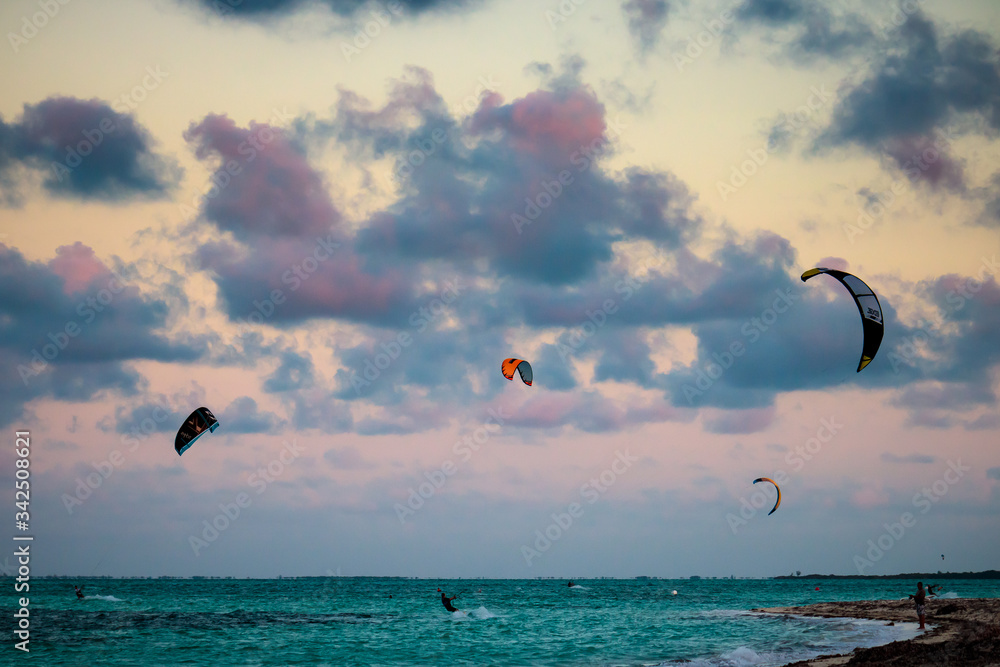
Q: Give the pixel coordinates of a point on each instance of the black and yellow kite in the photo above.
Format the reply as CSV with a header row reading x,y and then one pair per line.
x,y
868,306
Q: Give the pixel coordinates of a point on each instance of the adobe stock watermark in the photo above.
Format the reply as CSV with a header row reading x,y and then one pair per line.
x,y
828,428
94,137
420,320
38,20
562,12
956,299
88,309
698,42
140,432
740,175
591,491
230,512
295,276
248,149
551,189
879,203
599,317
364,33
923,501
751,331
436,479
902,11
428,145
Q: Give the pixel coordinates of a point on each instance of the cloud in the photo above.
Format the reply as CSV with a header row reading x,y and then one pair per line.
x,y
265,187
70,324
626,358
516,185
987,422
452,230
990,216
993,473
87,150
889,457
921,83
292,262
646,20
807,29
267,10
317,409
944,396
741,421
557,373
925,160
294,372
347,458
243,416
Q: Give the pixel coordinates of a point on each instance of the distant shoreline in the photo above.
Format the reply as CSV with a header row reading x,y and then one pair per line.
x,y
988,574
964,631
955,576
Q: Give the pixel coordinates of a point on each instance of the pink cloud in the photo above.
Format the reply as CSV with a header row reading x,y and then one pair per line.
x,y
549,125
77,266
922,159
263,185
335,286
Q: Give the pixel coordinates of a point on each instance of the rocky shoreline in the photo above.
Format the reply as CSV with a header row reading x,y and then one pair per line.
x,y
962,632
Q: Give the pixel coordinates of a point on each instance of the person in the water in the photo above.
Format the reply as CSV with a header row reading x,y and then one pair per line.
x,y
570,584
446,601
79,592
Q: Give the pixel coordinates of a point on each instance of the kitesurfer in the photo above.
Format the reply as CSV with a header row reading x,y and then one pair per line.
x,y
446,601
79,592
570,584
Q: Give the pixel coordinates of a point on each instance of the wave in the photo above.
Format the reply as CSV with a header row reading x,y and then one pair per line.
x,y
824,636
739,657
108,598
481,614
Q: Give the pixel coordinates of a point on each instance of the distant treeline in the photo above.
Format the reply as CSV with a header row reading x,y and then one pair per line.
x,y
988,574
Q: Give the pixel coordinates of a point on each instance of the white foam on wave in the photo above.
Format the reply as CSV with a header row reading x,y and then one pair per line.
x,y
108,598
950,595
483,613
577,587
836,635
738,657
466,614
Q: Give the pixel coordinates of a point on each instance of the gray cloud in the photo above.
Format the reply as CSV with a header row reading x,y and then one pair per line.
x,y
87,150
909,458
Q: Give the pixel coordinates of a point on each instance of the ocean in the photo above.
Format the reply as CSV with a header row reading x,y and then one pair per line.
x,y
395,621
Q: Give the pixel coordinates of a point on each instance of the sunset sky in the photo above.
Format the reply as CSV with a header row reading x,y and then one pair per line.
x,y
329,222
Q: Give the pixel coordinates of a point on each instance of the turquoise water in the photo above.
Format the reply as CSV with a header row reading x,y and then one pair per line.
x,y
353,621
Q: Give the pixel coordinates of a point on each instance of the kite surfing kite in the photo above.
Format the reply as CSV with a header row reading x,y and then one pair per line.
x,y
868,306
197,423
522,366
768,479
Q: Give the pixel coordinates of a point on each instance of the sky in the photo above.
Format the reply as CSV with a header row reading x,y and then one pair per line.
x,y
330,221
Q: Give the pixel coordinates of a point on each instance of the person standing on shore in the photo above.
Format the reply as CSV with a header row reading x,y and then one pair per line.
x,y
919,599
